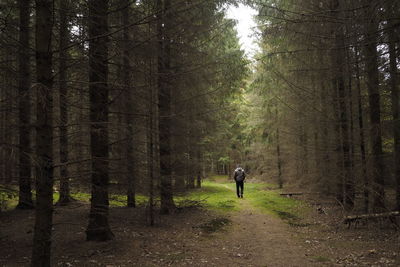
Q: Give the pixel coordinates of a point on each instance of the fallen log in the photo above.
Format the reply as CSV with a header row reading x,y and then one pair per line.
x,y
366,217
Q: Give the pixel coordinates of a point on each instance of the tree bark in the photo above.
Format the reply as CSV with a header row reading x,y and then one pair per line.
x,y
44,138
65,196
339,76
126,72
395,95
151,150
198,167
164,96
98,228
190,172
278,151
362,138
151,127
25,191
338,144
372,74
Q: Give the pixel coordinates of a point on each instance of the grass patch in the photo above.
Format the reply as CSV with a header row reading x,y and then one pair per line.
x,y
228,204
114,199
288,209
216,196
9,199
219,193
214,225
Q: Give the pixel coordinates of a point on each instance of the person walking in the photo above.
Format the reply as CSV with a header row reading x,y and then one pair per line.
x,y
239,176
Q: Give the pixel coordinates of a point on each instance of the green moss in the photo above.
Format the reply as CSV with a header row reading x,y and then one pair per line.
x,y
228,204
8,198
114,199
217,193
10,201
270,202
216,196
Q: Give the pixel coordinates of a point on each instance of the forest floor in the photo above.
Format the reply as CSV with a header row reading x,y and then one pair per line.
x,y
211,227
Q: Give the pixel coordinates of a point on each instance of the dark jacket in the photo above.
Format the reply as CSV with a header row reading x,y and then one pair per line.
x,y
239,175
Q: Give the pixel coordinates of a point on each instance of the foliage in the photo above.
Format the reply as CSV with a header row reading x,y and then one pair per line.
x,y
8,198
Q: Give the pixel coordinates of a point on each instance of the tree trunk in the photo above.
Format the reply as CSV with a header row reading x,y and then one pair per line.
x,y
350,190
372,74
278,152
164,96
65,196
350,185
338,144
326,171
25,192
98,228
395,97
362,138
339,76
198,185
44,138
9,131
198,167
127,82
304,154
151,130
150,152
190,173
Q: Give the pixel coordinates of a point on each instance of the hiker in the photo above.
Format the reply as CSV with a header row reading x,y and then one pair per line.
x,y
239,177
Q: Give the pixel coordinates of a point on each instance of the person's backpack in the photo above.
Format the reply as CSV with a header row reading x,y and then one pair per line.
x,y
239,175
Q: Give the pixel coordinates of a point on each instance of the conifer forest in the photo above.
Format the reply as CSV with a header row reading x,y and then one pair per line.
x,y
123,124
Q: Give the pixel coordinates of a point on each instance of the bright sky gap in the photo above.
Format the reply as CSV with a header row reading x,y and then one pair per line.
x,y
246,27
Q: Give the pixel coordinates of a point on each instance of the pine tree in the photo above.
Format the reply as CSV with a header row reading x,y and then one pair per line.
x,y
44,135
25,194
98,228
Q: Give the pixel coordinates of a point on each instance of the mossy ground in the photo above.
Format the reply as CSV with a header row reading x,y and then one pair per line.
x,y
217,193
9,201
227,231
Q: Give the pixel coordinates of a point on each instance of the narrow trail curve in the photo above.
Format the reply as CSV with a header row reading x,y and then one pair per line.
x,y
256,239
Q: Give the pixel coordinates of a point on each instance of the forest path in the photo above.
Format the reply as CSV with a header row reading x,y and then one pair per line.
x,y
255,239
191,236
226,231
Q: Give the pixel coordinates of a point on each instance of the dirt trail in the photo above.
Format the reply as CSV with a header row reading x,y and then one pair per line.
x,y
255,239
252,238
